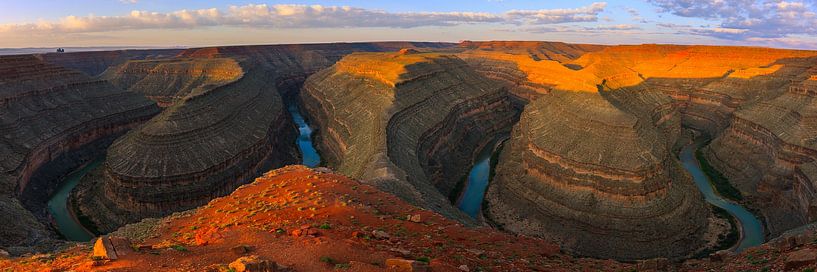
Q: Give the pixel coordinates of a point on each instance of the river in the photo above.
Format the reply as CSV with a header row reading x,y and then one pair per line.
x,y
751,227
470,200
311,158
70,228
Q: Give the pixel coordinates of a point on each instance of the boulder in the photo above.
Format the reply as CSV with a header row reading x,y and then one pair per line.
x,y
800,258
254,263
103,249
241,249
379,234
406,265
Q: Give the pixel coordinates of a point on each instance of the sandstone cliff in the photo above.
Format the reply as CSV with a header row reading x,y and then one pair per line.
x,y
95,63
768,152
204,146
53,120
167,81
410,123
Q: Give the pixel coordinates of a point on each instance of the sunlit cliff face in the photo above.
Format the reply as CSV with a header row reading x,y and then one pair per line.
x,y
625,66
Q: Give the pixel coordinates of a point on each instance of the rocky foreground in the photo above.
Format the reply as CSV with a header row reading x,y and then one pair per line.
x,y
298,219
52,120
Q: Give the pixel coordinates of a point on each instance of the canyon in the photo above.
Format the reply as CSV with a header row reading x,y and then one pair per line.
x,y
584,149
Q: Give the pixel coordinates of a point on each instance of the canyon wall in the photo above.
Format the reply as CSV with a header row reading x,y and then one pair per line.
x,y
768,152
53,120
204,146
600,180
96,62
592,163
225,121
407,122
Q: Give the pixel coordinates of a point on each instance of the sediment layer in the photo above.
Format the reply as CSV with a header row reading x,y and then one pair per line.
x,y
600,180
202,147
768,152
407,122
53,120
167,81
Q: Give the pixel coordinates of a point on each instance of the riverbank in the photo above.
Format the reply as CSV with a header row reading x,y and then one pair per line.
x,y
65,220
751,229
476,183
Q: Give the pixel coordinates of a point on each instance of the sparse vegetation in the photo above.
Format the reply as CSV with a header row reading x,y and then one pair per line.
x,y
721,183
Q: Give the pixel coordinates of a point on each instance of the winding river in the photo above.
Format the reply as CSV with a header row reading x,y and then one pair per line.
x,y
470,200
311,158
751,227
67,224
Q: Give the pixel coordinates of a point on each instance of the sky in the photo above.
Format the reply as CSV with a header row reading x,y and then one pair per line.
x,y
189,23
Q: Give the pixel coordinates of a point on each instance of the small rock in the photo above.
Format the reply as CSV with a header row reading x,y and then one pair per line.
x,y
121,245
323,170
356,234
406,265
800,258
415,218
476,251
404,252
464,268
297,232
241,249
379,234
217,268
254,263
104,250
312,232
4,254
659,264
722,255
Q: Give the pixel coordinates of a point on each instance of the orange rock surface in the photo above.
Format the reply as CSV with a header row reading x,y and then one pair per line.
x,y
342,224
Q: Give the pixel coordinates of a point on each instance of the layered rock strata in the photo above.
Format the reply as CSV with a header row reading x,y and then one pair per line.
x,y
53,120
768,152
167,81
409,123
96,62
204,146
600,180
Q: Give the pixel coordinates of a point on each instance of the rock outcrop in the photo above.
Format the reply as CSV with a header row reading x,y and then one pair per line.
x,y
408,123
601,181
95,63
167,81
204,146
769,153
591,162
53,120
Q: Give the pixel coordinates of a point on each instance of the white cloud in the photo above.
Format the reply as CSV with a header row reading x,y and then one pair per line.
x,y
747,20
300,16
129,1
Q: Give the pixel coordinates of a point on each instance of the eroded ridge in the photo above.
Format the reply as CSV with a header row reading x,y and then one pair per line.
x,y
769,154
599,180
201,147
53,120
408,122
167,81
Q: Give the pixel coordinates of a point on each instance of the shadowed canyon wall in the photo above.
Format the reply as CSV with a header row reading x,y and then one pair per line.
x,y
53,120
591,163
408,122
225,122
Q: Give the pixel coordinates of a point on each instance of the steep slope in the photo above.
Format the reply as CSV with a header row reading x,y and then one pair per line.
x,y
597,179
204,146
52,120
317,221
768,152
95,63
408,122
167,81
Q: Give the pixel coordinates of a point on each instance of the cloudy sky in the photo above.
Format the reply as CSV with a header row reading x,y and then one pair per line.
x,y
33,23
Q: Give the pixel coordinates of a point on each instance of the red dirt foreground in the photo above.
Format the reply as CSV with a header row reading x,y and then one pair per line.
x,y
298,219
